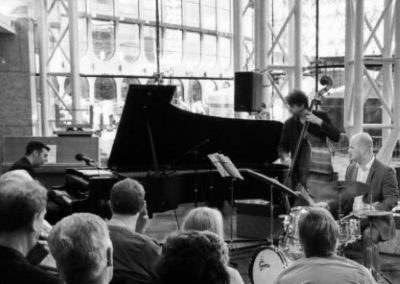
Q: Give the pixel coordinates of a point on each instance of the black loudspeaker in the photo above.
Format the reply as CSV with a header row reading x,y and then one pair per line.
x,y
248,86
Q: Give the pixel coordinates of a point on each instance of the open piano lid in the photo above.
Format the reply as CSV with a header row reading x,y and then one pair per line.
x,y
249,143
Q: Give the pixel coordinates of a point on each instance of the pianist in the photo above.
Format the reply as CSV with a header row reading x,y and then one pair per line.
x,y
36,154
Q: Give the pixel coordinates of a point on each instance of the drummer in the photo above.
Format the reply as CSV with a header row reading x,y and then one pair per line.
x,y
383,195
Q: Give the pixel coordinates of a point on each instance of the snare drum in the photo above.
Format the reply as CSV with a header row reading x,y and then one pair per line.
x,y
266,264
291,241
350,231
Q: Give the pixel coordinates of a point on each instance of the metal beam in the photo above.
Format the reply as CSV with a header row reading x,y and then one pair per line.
x,y
238,49
43,55
74,55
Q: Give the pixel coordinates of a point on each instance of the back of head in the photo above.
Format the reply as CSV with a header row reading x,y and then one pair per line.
x,y
204,219
21,202
19,175
192,257
318,233
35,146
81,246
127,197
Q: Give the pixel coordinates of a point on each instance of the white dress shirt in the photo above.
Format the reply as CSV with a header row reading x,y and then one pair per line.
x,y
362,175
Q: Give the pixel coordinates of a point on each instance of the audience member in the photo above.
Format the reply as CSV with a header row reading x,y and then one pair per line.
x,y
192,257
135,254
36,154
22,210
318,233
82,248
208,219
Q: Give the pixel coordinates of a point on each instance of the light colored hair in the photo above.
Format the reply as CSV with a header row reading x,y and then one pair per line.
x,y
80,244
20,175
20,201
204,219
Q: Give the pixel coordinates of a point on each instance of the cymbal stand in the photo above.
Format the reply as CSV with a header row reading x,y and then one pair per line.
x,y
231,246
271,212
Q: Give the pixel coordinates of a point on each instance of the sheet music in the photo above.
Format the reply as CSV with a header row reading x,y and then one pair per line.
x,y
225,166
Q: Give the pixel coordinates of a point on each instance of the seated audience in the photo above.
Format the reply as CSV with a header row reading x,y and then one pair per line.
x,y
208,219
192,257
135,254
82,248
22,210
318,233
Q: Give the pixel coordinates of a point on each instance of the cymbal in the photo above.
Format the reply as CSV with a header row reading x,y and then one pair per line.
x,y
372,213
348,190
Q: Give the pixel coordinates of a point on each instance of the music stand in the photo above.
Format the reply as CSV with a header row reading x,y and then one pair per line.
x,y
227,170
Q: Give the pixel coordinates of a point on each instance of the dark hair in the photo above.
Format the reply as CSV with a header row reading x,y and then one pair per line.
x,y
35,146
191,257
318,233
298,98
19,202
127,197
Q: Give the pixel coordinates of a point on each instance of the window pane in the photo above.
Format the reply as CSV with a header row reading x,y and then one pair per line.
x,y
148,10
104,89
103,39
83,36
191,15
172,11
129,48
192,49
224,16
128,8
225,52
103,7
209,50
82,6
208,15
172,47
149,34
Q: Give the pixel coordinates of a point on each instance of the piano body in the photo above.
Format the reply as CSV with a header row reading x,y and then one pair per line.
x,y
165,148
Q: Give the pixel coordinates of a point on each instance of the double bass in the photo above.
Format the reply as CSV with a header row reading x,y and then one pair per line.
x,y
311,165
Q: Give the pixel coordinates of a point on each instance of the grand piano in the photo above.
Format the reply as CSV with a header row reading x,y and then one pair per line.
x,y
166,148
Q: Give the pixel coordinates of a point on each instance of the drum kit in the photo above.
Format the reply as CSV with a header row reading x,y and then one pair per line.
x,y
269,261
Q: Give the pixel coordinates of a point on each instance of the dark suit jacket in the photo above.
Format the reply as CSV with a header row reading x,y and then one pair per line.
x,y
292,129
23,164
14,268
384,188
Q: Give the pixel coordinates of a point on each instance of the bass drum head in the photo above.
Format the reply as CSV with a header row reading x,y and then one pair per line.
x,y
266,264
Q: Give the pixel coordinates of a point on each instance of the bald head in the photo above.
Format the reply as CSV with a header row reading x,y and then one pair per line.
x,y
361,148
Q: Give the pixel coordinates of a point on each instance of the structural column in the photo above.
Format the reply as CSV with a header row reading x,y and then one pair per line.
x,y
358,92
43,55
262,44
387,70
349,67
74,59
238,49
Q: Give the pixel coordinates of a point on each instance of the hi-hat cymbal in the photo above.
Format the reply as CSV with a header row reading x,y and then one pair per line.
x,y
347,189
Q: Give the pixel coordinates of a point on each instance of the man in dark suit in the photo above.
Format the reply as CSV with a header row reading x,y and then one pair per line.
x,y
36,155
22,210
383,194
320,128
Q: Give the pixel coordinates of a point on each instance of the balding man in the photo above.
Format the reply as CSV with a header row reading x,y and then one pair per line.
x,y
383,193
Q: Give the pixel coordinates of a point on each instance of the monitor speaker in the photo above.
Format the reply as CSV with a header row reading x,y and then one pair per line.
x,y
248,91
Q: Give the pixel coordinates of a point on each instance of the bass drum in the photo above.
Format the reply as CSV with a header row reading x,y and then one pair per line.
x,y
266,264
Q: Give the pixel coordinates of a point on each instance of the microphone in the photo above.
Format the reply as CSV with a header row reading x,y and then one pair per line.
x,y
81,158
